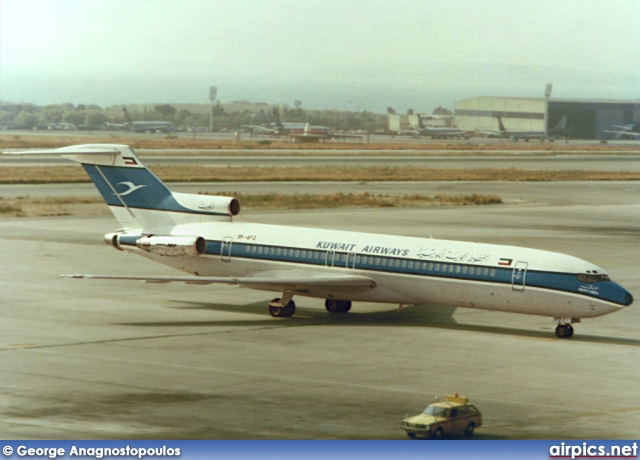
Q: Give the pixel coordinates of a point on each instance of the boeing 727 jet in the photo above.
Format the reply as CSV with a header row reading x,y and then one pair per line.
x,y
197,235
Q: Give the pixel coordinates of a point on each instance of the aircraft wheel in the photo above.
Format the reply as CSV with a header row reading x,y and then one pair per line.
x,y
337,306
569,331
564,331
282,312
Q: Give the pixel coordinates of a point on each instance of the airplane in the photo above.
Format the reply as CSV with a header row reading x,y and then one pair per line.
x,y
436,132
147,126
626,132
630,131
297,132
514,136
197,234
151,126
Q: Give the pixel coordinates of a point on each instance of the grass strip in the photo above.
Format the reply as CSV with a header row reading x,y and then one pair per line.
x,y
180,173
59,206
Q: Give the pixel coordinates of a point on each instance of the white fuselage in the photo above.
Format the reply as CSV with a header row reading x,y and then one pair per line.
x,y
405,270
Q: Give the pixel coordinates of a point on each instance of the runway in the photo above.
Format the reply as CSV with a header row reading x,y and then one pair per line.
x,y
85,359
450,160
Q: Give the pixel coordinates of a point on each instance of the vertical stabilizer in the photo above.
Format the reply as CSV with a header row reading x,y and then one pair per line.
x,y
137,198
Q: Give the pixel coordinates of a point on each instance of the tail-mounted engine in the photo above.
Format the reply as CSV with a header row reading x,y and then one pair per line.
x,y
209,203
168,246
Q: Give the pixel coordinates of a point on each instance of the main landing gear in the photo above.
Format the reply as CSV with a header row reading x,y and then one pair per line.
x,y
565,329
284,307
337,306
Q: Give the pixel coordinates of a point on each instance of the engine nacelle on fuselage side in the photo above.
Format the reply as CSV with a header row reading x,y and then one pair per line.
x,y
168,246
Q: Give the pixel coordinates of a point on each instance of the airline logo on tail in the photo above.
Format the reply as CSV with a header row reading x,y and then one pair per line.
x,y
132,188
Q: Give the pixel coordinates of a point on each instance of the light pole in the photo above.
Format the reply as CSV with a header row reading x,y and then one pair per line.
x,y
213,92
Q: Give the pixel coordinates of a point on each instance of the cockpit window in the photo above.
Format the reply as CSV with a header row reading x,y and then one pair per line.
x,y
590,278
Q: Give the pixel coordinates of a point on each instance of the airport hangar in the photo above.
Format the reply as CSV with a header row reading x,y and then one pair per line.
x,y
586,118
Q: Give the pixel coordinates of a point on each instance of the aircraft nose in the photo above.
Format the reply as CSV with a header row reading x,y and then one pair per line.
x,y
621,296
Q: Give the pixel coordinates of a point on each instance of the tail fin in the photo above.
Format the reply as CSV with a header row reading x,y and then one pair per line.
x,y
501,125
562,124
137,198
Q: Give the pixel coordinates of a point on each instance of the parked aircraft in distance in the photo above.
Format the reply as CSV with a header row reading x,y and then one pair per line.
x,y
147,126
515,136
437,132
150,126
630,131
297,132
196,234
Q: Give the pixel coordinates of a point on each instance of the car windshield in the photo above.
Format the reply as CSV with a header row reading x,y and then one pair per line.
x,y
436,411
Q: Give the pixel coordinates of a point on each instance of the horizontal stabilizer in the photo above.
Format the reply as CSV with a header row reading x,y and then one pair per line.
x,y
91,154
87,149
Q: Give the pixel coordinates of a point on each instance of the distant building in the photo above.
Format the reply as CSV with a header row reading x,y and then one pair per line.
x,y
585,118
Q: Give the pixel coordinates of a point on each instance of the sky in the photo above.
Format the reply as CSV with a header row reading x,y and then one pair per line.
x,y
329,54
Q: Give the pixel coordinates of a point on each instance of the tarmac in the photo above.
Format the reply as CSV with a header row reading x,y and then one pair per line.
x,y
88,359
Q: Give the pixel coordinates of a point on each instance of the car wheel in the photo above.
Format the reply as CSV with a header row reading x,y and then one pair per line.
x,y
439,434
470,429
411,435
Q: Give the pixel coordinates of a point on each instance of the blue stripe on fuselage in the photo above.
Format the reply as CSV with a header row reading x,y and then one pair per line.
x,y
563,282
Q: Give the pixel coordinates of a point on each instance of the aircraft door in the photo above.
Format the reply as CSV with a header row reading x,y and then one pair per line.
x,y
519,276
351,260
329,258
225,249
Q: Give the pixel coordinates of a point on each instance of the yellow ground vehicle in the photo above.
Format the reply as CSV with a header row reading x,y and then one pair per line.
x,y
453,415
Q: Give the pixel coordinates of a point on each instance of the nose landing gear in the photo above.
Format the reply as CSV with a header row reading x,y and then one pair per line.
x,y
564,330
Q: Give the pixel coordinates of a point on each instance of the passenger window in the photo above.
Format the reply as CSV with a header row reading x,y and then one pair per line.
x,y
377,261
410,264
493,272
464,270
437,267
303,254
259,249
404,264
457,268
430,267
278,251
485,271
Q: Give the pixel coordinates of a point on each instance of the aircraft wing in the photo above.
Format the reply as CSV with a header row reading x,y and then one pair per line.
x,y
628,134
278,280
